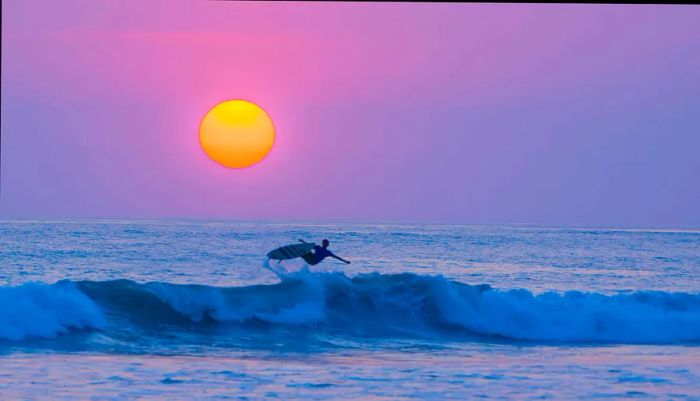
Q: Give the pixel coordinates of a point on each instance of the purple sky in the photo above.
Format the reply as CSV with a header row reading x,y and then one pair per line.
x,y
458,113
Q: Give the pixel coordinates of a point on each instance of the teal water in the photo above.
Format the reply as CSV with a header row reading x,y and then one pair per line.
x,y
186,310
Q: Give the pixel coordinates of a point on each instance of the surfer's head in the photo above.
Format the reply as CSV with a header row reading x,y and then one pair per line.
x,y
326,243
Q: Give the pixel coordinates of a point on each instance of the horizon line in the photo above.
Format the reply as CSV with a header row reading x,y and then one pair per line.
x,y
581,226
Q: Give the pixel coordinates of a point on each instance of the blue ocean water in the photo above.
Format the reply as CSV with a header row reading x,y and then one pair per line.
x,y
191,310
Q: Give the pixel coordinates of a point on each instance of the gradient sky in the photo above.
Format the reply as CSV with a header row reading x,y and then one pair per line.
x,y
455,113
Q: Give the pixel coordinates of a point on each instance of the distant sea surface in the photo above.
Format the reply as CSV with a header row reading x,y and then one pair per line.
x,y
192,310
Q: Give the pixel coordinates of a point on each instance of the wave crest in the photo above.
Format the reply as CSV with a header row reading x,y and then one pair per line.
x,y
40,310
365,306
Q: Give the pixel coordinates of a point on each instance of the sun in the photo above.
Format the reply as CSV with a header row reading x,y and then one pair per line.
x,y
236,133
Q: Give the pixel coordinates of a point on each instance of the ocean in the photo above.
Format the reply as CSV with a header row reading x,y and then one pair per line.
x,y
170,310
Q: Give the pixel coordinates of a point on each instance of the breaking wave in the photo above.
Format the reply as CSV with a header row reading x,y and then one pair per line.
x,y
40,310
335,306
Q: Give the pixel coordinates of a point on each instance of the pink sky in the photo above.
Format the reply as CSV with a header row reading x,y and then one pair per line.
x,y
465,113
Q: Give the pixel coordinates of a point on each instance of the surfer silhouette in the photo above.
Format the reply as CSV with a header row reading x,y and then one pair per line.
x,y
319,253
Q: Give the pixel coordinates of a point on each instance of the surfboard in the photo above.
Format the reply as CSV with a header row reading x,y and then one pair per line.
x,y
290,251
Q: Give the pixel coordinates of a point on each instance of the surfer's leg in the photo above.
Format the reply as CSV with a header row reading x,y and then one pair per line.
x,y
309,258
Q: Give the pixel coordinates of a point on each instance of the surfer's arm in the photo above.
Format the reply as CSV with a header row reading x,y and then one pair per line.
x,y
339,258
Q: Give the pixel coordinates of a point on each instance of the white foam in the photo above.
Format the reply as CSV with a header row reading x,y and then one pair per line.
x,y
40,310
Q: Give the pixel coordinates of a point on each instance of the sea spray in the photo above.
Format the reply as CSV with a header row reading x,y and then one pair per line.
x,y
41,310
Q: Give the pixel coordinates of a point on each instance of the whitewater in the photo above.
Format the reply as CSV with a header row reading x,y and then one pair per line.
x,y
191,310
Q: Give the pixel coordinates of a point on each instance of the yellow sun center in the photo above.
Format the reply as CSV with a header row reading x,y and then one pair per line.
x,y
236,133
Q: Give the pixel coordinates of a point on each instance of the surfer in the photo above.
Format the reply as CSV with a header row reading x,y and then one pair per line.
x,y
319,253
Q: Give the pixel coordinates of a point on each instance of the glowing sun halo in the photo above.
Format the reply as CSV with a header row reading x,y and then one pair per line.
x,y
236,133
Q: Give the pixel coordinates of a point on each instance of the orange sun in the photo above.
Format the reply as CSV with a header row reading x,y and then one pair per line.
x,y
236,133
